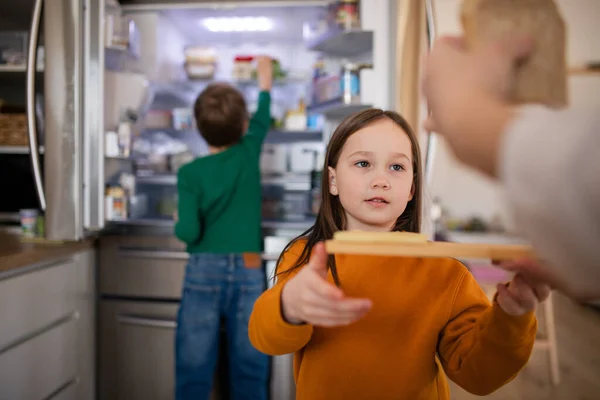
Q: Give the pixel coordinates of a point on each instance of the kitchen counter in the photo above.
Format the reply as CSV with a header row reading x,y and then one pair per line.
x,y
15,254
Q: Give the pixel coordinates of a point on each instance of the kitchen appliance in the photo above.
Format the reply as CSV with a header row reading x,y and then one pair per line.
x,y
66,171
138,317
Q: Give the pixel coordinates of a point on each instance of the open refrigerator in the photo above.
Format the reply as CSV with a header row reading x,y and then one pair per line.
x,y
71,69
329,70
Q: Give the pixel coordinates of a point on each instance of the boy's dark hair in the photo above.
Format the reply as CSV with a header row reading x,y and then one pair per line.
x,y
221,114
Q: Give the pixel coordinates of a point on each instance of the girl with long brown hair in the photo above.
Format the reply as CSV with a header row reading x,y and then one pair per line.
x,y
370,327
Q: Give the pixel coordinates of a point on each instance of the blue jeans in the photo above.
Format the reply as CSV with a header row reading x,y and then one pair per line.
x,y
218,286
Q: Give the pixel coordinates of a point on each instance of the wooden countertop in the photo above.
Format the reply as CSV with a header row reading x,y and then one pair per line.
x,y
17,254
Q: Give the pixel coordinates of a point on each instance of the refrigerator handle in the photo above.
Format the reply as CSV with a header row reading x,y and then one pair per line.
x,y
431,139
30,95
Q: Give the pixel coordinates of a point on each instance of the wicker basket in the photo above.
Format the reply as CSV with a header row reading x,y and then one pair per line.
x,y
13,130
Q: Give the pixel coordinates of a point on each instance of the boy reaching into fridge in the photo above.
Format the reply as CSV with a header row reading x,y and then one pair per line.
x,y
218,217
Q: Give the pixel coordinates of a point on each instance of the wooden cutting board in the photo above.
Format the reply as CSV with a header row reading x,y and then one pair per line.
x,y
430,249
542,78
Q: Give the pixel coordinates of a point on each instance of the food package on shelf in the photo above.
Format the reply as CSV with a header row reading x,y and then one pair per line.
x,y
274,159
200,55
347,14
158,119
200,62
200,71
183,118
242,68
306,156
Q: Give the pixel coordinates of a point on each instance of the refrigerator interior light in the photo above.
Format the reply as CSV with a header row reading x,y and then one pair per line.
x,y
238,24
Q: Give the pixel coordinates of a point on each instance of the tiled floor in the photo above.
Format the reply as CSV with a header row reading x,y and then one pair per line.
x,y
578,335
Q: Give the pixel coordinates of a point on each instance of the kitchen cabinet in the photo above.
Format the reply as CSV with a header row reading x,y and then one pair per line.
x,y
47,341
140,289
138,341
142,266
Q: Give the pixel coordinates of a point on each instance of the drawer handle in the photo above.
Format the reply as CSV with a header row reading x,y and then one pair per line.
x,y
165,255
20,340
147,321
62,388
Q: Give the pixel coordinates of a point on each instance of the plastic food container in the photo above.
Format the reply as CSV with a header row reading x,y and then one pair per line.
x,y
13,47
196,70
183,119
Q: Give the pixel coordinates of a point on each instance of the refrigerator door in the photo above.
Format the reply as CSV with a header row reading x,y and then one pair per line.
x,y
63,88
416,22
93,120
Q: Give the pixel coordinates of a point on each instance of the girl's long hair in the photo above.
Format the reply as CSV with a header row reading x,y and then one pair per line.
x,y
331,217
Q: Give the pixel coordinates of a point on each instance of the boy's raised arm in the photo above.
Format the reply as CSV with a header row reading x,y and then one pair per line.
x,y
261,121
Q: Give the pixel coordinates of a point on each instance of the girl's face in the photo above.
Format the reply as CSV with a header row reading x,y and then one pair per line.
x,y
374,176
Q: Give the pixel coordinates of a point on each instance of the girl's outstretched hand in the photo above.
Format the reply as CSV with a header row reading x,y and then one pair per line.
x,y
309,298
522,295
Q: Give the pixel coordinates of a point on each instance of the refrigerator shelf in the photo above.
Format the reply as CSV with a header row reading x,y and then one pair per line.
x,y
17,68
343,43
336,108
283,136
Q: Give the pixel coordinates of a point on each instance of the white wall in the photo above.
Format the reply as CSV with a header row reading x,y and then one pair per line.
x,y
466,193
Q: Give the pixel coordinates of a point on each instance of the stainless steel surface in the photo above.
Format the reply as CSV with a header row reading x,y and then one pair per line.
x,y
37,368
150,322
431,138
160,5
31,115
48,329
32,335
164,227
141,227
93,117
33,267
282,378
343,43
282,367
164,179
431,22
148,267
136,361
153,254
32,301
63,112
18,150
85,284
288,225
66,391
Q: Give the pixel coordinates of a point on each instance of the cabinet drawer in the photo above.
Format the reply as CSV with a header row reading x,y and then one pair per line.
x,y
35,299
42,366
128,368
150,267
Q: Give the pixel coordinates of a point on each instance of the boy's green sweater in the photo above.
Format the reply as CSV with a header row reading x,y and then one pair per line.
x,y
220,195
